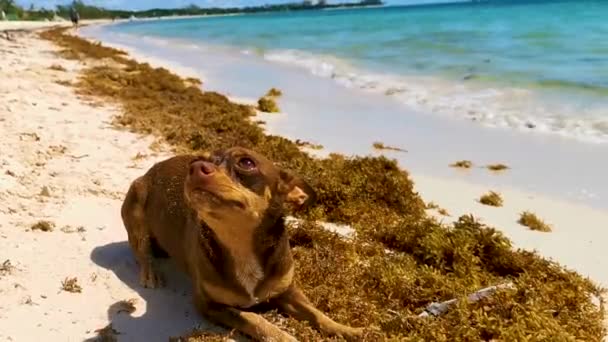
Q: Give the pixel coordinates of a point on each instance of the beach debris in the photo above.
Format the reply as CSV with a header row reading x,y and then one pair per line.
x,y
105,334
268,105
27,300
57,67
34,136
438,309
79,157
274,92
462,164
492,199
95,104
45,226
306,144
435,206
497,167
193,81
45,191
57,149
443,212
69,229
381,146
6,268
71,285
64,83
532,221
139,156
432,205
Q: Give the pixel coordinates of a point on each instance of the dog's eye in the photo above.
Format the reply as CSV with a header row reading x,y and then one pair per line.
x,y
246,163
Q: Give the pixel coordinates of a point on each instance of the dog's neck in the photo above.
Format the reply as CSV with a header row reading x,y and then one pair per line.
x,y
247,250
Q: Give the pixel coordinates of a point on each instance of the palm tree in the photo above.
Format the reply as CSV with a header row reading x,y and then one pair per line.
x,y
10,7
6,5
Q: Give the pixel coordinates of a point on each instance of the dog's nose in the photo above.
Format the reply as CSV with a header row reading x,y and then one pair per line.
x,y
202,168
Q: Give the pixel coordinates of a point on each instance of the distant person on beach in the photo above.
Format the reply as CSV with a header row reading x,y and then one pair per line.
x,y
2,15
74,16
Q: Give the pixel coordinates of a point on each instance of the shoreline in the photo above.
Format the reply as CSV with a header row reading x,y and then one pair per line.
x,y
574,222
545,153
459,196
558,109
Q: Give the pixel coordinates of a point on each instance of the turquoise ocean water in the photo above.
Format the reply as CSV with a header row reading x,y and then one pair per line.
x,y
540,66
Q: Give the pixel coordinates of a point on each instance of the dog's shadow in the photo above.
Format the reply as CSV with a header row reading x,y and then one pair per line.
x,y
168,311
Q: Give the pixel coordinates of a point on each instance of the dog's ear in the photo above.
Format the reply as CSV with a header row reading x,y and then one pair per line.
x,y
297,191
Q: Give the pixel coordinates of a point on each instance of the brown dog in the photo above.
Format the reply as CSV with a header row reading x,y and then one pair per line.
x,y
220,218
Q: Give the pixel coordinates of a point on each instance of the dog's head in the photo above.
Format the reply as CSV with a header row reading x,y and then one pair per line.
x,y
239,187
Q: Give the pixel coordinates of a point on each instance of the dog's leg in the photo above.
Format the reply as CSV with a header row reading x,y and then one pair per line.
x,y
294,303
247,323
250,324
133,217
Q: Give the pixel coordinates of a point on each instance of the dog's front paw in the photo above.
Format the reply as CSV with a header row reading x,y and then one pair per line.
x,y
353,334
285,337
151,278
289,338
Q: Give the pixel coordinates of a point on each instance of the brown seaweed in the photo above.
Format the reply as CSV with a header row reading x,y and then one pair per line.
x,y
532,221
492,199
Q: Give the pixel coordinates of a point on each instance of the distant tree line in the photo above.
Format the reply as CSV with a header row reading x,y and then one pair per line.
x,y
13,11
295,6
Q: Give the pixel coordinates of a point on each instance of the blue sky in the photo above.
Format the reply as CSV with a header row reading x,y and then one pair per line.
x,y
144,4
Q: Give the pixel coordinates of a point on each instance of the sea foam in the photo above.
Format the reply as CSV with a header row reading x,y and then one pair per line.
x,y
489,104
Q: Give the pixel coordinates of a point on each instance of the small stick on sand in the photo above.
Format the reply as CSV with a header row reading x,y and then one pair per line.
x,y
79,157
437,309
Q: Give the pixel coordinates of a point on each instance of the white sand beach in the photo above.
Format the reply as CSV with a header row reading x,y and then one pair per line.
x,y
41,24
63,162
30,25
